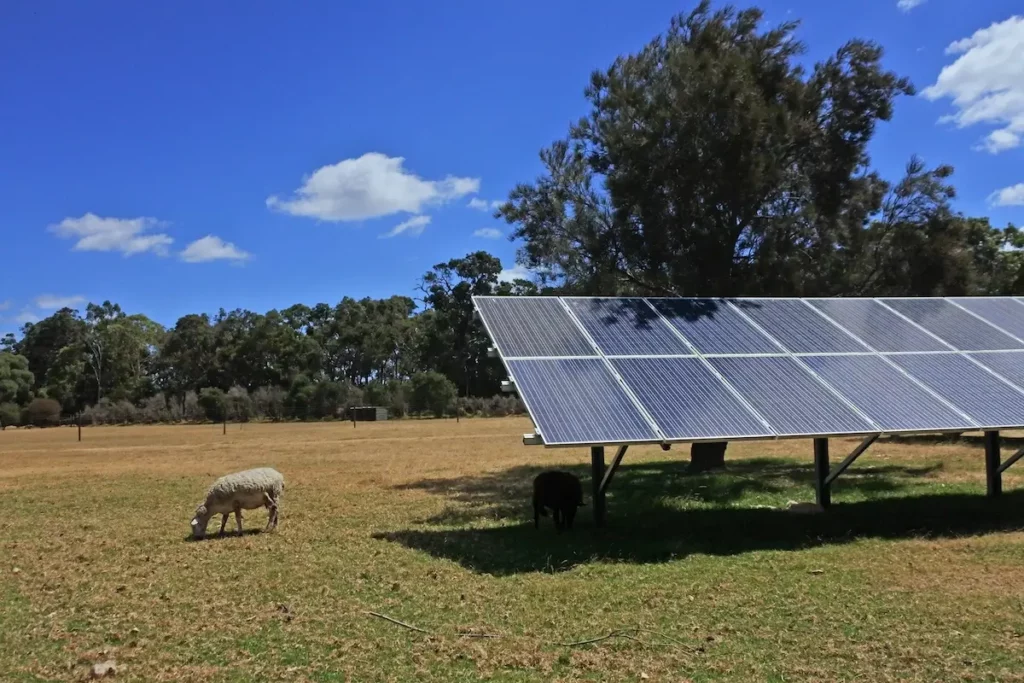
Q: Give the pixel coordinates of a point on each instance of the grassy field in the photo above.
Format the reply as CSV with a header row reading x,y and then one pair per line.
x,y
912,575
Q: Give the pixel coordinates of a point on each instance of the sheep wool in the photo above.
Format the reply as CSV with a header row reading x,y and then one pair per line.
x,y
246,490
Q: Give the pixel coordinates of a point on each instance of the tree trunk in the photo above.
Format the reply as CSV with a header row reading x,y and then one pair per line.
x,y
707,456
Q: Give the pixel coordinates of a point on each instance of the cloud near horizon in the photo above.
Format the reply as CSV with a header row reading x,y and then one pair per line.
x,y
213,248
126,235
371,186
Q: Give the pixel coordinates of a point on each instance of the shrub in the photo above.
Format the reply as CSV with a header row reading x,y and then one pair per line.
x,y
41,412
239,404
268,402
431,392
124,412
10,415
214,404
299,400
377,393
331,398
192,411
155,409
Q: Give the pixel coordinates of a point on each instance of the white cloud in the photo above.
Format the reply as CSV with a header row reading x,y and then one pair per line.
x,y
126,235
4,305
488,233
26,316
50,302
986,83
907,5
483,204
413,226
1008,196
370,186
213,248
515,273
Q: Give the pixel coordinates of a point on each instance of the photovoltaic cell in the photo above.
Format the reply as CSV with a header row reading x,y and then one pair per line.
x,y
1007,364
789,397
627,326
687,400
713,326
532,326
880,328
990,402
892,400
953,325
798,327
578,401
1002,312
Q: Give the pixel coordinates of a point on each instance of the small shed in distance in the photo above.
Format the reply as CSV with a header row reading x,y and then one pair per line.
x,y
367,413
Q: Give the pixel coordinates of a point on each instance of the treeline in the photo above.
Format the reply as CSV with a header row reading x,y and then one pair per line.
x,y
709,163
303,363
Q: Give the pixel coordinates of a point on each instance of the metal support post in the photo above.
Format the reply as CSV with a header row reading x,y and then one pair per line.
x,y
856,453
993,473
597,475
822,486
611,470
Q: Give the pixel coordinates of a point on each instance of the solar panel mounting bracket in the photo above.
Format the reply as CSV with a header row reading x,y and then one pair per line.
x,y
492,352
532,440
508,386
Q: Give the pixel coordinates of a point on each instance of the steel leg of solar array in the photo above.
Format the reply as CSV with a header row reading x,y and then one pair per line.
x,y
856,453
611,470
993,474
1008,463
822,486
597,474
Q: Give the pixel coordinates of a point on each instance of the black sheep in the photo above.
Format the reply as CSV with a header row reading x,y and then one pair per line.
x,y
559,491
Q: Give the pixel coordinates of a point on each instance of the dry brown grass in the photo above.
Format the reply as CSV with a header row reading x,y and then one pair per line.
x,y
912,576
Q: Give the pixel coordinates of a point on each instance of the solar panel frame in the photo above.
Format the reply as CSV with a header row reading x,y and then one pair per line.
x,y
777,350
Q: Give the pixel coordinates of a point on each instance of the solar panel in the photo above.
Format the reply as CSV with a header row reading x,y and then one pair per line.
x,y
713,326
877,326
577,400
789,397
1006,364
532,326
623,327
987,400
889,397
798,327
609,370
953,325
1007,314
687,400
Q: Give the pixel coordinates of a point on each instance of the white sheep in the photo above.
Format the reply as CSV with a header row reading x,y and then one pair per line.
x,y
248,490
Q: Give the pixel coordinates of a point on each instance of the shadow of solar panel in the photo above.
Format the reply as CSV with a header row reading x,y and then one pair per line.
x,y
792,400
532,326
1007,364
687,400
975,391
578,401
877,326
627,326
1006,314
798,327
712,326
892,400
955,326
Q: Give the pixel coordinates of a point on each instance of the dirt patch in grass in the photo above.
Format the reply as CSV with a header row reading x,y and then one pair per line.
x,y
909,577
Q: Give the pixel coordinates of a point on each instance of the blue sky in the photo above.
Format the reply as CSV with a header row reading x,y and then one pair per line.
x,y
179,157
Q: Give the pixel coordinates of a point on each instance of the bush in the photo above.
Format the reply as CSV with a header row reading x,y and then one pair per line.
x,y
239,404
331,399
299,400
41,412
268,402
124,412
377,393
214,404
10,415
155,409
431,392
193,412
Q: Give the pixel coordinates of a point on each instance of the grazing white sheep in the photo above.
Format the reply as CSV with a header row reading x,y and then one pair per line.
x,y
248,490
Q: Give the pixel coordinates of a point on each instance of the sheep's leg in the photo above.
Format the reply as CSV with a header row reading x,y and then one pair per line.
x,y
238,517
271,505
223,523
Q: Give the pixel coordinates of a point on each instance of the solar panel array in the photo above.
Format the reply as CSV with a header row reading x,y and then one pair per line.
x,y
615,370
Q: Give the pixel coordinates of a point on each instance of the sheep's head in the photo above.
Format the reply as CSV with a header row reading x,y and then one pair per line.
x,y
199,522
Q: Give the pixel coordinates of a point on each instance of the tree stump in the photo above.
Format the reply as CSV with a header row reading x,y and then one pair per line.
x,y
707,456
